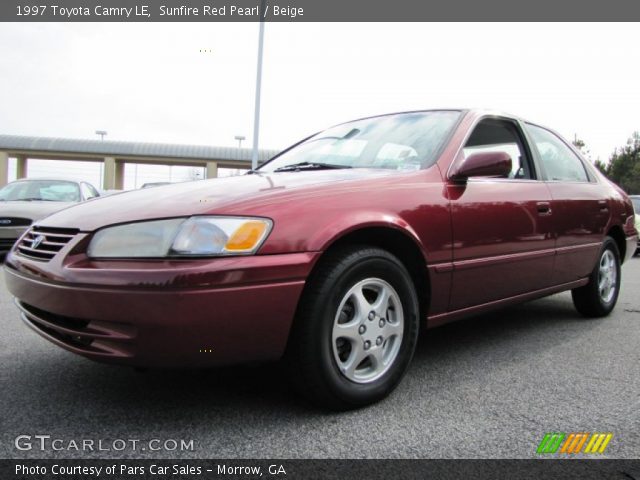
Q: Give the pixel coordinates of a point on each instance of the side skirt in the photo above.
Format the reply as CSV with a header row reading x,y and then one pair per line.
x,y
443,318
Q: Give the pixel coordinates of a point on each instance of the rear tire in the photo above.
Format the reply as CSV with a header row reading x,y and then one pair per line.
x,y
598,297
356,329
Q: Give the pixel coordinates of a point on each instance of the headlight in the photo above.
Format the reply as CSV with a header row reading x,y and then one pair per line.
x,y
195,236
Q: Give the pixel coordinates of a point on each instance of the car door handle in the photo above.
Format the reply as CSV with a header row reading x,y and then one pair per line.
x,y
604,206
544,208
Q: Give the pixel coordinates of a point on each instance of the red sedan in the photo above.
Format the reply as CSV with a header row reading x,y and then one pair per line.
x,y
333,254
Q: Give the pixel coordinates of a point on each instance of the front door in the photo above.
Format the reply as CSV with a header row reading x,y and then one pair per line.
x,y
502,228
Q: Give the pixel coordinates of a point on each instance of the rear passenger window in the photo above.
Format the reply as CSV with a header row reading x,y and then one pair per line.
x,y
558,160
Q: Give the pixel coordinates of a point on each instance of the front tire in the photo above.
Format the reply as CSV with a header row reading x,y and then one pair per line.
x,y
356,329
598,297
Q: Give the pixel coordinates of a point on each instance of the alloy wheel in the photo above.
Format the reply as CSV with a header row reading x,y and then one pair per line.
x,y
607,276
367,331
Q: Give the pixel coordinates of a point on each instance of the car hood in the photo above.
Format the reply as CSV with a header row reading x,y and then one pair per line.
x,y
33,210
215,196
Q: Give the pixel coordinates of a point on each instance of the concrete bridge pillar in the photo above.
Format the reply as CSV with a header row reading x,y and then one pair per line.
x,y
4,168
21,166
113,178
212,169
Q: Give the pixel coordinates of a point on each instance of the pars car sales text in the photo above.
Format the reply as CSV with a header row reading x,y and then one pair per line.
x,y
96,471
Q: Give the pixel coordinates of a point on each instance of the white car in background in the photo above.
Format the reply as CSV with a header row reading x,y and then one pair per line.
x,y
636,207
24,201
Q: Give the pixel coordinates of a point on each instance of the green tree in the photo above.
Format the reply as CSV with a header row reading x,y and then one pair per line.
x,y
624,165
586,153
600,165
582,146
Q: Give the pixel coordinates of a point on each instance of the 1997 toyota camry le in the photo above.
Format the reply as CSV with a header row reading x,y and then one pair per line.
x,y
331,255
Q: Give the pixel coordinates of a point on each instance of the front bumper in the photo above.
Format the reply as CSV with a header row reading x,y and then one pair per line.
x,y
169,313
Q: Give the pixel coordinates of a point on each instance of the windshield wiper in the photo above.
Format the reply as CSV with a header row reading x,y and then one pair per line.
x,y
295,167
35,199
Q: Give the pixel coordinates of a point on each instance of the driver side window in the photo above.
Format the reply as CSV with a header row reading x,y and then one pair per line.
x,y
492,135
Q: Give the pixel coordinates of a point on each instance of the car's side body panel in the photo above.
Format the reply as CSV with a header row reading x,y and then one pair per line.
x,y
503,246
580,215
569,235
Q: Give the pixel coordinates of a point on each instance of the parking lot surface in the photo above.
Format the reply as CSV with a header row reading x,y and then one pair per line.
x,y
490,386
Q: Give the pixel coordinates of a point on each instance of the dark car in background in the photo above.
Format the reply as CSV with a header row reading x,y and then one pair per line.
x,y
333,254
24,201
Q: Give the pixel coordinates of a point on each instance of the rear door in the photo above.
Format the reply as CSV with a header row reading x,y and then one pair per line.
x,y
502,228
579,212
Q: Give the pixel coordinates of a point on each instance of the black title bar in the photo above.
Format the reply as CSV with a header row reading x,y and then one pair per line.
x,y
316,10
126,469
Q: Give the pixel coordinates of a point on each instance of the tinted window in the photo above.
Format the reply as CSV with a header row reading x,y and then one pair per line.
x,y
406,141
558,160
500,136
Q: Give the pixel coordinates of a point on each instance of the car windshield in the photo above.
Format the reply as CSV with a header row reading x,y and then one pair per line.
x,y
403,142
40,190
636,205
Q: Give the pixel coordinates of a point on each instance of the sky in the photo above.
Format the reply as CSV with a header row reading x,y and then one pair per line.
x,y
195,83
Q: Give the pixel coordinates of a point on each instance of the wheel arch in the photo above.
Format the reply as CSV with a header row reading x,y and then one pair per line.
x,y
400,242
617,234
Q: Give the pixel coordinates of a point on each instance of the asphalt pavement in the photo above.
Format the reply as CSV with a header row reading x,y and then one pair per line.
x,y
486,387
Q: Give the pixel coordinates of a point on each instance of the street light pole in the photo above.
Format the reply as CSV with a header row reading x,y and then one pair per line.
x,y
256,118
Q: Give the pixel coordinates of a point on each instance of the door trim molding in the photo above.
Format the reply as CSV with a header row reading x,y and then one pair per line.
x,y
500,259
575,248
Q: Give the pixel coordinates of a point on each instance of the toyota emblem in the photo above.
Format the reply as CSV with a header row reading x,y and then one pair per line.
x,y
37,241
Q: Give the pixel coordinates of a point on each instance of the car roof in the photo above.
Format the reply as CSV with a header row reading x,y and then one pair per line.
x,y
476,112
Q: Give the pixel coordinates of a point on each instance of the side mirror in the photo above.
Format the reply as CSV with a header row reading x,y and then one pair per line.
x,y
483,164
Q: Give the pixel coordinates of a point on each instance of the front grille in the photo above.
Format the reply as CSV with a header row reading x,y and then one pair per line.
x,y
14,222
6,244
42,243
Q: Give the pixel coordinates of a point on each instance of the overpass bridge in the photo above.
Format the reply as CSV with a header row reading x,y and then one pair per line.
x,y
114,155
